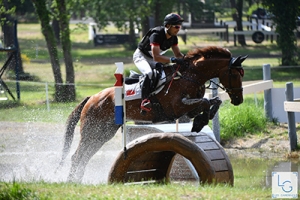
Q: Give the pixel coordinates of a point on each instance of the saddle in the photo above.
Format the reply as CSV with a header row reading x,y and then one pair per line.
x,y
134,83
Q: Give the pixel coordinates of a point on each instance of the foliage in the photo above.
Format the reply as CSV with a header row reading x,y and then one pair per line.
x,y
134,14
285,14
241,120
16,191
254,7
213,5
4,10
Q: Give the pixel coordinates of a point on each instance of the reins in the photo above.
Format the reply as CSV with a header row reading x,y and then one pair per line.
x,y
173,76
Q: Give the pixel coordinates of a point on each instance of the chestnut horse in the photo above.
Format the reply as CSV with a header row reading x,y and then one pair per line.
x,y
182,95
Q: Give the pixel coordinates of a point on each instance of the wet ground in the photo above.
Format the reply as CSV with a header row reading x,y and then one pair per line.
x,y
31,152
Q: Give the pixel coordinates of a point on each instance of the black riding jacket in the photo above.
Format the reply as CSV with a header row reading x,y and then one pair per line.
x,y
157,36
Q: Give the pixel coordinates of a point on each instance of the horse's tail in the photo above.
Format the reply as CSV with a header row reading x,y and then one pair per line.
x,y
70,127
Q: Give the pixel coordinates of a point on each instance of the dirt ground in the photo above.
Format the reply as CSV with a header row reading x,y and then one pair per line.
x,y
275,143
31,151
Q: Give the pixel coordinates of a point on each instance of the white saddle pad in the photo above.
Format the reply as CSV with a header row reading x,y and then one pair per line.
x,y
133,91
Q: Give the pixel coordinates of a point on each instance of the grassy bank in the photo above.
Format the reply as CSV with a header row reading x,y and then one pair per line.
x,y
249,184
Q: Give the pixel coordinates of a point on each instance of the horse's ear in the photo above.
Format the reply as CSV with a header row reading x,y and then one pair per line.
x,y
243,58
235,61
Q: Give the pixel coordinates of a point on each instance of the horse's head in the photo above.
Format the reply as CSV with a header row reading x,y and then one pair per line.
x,y
231,79
211,62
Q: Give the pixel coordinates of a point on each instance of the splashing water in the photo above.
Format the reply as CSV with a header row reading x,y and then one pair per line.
x,y
31,151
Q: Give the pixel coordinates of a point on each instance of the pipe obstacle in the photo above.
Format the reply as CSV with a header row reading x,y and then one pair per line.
x,y
150,158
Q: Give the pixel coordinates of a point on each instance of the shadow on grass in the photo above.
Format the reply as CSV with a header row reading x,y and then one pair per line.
x,y
9,104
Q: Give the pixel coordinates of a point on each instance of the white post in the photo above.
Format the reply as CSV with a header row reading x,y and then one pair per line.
x,y
215,120
120,104
267,93
289,94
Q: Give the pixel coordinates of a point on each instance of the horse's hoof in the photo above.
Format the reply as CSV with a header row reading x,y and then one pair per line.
x,y
197,130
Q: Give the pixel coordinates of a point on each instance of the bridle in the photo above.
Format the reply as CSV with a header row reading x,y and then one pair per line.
x,y
229,90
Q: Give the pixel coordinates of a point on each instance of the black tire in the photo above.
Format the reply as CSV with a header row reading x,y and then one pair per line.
x,y
258,37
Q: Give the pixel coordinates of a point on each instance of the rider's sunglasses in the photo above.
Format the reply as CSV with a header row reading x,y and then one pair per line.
x,y
176,26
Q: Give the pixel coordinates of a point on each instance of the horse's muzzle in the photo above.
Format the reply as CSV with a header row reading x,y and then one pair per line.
x,y
236,100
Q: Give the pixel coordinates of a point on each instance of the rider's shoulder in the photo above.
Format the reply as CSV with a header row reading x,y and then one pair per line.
x,y
158,29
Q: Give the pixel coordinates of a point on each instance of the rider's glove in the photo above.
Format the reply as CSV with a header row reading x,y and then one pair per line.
x,y
178,61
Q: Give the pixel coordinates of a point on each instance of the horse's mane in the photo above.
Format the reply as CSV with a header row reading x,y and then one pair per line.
x,y
211,52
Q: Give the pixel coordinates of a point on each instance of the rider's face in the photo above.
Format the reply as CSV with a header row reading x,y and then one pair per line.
x,y
174,29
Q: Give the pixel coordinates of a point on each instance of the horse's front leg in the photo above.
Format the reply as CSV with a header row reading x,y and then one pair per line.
x,y
206,108
202,119
214,106
202,106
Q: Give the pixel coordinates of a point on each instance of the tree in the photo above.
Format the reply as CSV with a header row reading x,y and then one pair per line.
x,y
8,28
62,92
133,11
284,17
237,15
136,12
64,18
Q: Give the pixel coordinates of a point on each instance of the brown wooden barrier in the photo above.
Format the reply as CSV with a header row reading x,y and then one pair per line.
x,y
150,158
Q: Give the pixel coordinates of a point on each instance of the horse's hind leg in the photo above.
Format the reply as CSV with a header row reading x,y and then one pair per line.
x,y
80,159
88,146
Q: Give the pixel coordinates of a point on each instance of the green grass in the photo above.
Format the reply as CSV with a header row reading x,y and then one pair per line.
x,y
248,190
241,120
248,184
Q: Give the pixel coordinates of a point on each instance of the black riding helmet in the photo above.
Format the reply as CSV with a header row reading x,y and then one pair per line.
x,y
173,19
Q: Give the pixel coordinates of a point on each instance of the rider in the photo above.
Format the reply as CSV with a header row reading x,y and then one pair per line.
x,y
151,48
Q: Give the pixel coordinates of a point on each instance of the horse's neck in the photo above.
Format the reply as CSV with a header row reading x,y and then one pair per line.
x,y
208,69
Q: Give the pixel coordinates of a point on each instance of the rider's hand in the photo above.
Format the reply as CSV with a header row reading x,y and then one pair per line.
x,y
179,61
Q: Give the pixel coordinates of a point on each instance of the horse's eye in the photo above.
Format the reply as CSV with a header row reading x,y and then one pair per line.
x,y
241,71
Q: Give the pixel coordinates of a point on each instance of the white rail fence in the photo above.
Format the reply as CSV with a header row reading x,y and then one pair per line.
x,y
274,102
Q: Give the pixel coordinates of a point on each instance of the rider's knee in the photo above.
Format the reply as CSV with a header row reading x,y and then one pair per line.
x,y
159,66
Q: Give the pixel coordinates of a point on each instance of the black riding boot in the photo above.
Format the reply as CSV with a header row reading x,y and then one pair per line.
x,y
146,90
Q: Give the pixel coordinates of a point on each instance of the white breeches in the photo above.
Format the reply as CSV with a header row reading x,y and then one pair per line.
x,y
143,62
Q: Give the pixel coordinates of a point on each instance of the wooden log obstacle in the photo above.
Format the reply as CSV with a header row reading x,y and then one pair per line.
x,y
150,158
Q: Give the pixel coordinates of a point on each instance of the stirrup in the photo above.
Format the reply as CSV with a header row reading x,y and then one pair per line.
x,y
146,105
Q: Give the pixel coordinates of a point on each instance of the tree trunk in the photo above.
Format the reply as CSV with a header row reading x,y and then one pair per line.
x,y
69,93
132,38
8,29
237,15
56,29
145,25
157,20
43,14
